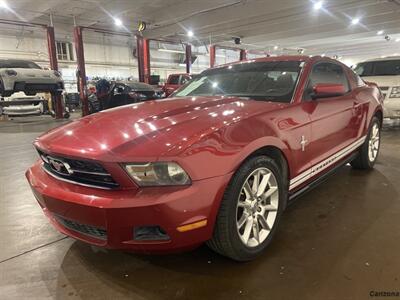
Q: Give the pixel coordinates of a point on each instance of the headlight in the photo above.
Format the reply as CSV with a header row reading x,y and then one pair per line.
x,y
395,93
11,73
158,173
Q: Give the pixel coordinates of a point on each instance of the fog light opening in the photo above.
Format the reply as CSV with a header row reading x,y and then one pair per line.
x,y
150,233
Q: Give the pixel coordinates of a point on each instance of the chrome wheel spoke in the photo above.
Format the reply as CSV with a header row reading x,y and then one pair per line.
x,y
256,182
270,207
263,184
272,190
263,223
242,220
247,229
256,231
247,190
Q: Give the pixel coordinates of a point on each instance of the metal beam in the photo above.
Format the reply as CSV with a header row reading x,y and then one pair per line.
x,y
243,54
143,56
51,46
188,53
81,75
212,56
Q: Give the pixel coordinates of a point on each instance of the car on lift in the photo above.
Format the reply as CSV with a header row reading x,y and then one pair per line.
x,y
217,163
28,77
385,72
175,81
19,104
110,95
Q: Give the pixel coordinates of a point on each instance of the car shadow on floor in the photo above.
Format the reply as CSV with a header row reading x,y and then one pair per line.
x,y
325,230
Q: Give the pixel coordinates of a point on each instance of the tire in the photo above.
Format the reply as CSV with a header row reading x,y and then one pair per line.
x,y
364,159
229,238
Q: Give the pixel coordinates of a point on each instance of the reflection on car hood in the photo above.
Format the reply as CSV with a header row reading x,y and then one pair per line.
x,y
149,129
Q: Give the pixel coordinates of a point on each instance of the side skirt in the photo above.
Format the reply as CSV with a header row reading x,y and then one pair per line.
x,y
320,179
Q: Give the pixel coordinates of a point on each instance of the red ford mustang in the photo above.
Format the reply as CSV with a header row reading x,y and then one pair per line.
x,y
218,163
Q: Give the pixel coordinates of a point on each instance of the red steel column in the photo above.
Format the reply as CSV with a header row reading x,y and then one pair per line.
x,y
212,56
143,56
188,53
51,46
80,57
243,54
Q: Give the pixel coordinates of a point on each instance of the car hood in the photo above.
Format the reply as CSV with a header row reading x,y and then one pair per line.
x,y
382,81
149,129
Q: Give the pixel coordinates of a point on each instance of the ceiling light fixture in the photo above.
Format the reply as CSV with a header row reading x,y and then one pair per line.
x,y
397,40
117,22
276,47
3,4
318,5
190,33
355,21
380,32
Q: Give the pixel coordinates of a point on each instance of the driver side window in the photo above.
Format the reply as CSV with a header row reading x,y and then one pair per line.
x,y
325,73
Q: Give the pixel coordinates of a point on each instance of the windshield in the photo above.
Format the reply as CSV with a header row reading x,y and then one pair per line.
x,y
18,64
378,68
272,81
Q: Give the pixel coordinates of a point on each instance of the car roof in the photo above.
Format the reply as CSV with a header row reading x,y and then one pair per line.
x,y
300,58
382,59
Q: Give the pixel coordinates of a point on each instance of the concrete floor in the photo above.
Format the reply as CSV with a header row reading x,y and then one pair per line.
x,y
339,241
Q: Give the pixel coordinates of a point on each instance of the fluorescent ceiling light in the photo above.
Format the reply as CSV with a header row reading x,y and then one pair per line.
x,y
3,4
117,22
171,50
380,32
355,21
190,33
318,5
276,47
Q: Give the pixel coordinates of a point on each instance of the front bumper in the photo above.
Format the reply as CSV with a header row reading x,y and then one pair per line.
x,y
23,110
107,218
391,108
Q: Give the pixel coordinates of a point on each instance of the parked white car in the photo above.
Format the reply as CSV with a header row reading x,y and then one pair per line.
x,y
385,72
20,104
26,76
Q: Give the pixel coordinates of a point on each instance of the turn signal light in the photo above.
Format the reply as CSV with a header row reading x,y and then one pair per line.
x,y
192,226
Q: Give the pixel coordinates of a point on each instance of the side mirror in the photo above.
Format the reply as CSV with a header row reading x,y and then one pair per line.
x,y
326,90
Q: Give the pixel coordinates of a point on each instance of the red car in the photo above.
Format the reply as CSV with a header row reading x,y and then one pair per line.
x,y
218,163
174,82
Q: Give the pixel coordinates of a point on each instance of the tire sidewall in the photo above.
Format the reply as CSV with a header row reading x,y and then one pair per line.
x,y
232,195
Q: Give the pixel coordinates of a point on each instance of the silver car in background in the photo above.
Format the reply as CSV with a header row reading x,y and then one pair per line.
x,y
26,76
385,72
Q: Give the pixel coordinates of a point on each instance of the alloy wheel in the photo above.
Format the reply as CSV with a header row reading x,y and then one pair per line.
x,y
373,146
257,207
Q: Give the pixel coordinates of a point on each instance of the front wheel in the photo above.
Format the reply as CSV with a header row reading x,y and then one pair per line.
x,y
250,210
369,151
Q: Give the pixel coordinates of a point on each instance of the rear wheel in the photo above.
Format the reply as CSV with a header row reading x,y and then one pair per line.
x,y
250,210
369,151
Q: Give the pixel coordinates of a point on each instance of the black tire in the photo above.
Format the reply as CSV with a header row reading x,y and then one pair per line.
x,y
363,161
226,240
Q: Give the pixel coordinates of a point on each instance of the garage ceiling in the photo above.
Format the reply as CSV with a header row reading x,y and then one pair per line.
x,y
288,24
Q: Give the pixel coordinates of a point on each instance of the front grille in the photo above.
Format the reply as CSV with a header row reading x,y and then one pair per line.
x,y
82,172
96,232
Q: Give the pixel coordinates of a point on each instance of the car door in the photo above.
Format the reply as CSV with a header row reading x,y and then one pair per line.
x,y
332,118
